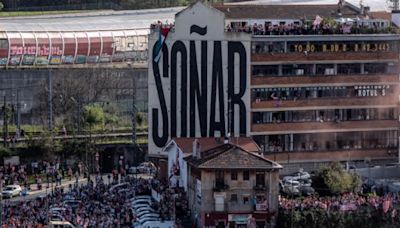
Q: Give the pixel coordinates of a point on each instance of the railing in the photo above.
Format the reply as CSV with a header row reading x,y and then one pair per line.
x,y
220,187
260,187
261,206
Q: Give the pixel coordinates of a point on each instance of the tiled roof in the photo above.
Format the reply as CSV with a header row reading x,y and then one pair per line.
x,y
381,15
298,12
186,144
229,156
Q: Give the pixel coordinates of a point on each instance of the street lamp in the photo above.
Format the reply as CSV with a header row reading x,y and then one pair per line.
x,y
97,162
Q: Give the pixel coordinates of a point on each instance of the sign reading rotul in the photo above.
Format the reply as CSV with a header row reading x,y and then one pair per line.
x,y
200,85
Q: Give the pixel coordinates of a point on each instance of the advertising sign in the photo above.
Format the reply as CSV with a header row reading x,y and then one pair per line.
x,y
200,86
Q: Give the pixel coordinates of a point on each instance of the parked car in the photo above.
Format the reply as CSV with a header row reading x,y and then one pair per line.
x,y
145,211
118,187
301,175
152,214
137,206
158,224
56,217
133,170
306,182
291,187
11,190
138,201
306,190
140,197
147,167
72,203
61,224
148,219
144,208
58,210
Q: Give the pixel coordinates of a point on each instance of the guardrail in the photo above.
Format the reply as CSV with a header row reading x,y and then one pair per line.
x,y
95,137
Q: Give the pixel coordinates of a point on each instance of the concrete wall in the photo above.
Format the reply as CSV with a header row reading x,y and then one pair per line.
x,y
32,82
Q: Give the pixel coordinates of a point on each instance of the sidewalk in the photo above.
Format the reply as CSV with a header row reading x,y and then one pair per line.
x,y
64,183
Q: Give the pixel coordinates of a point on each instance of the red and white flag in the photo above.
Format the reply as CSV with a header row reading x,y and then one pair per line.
x,y
162,37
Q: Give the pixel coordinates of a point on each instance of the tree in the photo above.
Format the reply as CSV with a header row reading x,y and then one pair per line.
x,y
94,115
75,88
337,180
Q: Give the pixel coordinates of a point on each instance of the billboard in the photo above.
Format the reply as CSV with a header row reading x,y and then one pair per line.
x,y
54,48
200,87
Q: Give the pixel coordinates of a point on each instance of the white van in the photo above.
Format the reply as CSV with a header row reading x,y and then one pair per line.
x,y
158,224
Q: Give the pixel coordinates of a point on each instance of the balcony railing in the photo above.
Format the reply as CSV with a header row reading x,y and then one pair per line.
x,y
220,187
260,187
332,155
262,206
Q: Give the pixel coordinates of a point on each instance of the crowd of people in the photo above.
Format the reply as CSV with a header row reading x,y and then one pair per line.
x,y
348,210
103,202
305,29
345,202
38,173
160,25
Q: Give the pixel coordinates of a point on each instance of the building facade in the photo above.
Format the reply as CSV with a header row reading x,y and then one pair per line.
x,y
179,148
322,83
228,185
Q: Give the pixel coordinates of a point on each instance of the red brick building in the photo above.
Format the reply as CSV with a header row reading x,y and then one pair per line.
x,y
321,94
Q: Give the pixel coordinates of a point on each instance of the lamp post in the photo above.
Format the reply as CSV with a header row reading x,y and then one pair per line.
x,y
1,201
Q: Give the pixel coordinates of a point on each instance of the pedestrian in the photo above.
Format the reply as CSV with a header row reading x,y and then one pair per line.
x,y
76,178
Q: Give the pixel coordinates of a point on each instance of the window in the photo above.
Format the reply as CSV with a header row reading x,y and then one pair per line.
x,y
246,199
260,179
234,175
219,179
234,198
246,175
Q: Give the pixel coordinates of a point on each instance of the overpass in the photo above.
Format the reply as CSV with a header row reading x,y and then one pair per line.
x,y
94,38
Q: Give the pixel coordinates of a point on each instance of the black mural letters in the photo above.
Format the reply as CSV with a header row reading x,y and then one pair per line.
x,y
179,46
160,141
199,30
195,92
236,99
217,84
206,108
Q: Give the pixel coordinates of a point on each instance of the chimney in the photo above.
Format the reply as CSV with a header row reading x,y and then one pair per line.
x,y
196,149
396,17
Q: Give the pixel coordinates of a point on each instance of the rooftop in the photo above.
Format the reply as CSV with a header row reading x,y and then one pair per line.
x,y
230,156
296,12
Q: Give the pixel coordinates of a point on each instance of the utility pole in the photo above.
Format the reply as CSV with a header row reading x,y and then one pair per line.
x,y
134,136
50,102
4,122
1,201
18,113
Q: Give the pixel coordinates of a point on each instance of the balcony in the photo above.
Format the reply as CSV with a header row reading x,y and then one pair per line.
x,y
260,187
220,187
262,206
326,102
314,79
312,127
318,56
333,155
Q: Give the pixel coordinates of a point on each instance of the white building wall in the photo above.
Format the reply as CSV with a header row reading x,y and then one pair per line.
x,y
203,18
